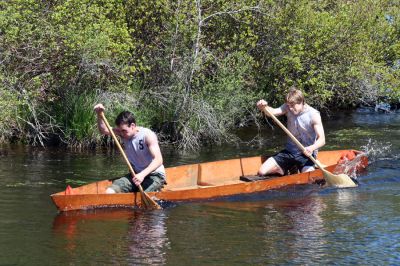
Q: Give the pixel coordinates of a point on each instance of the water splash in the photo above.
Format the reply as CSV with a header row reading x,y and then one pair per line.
x,y
350,167
374,150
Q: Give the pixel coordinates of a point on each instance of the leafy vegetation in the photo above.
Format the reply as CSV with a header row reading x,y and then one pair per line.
x,y
191,70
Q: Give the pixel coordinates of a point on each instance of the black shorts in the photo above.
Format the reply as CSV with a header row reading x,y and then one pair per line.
x,y
291,163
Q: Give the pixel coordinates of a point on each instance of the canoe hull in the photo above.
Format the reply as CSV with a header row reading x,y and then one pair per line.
x,y
198,182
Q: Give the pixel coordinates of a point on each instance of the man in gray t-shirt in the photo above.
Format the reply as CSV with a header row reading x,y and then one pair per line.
x,y
143,152
304,122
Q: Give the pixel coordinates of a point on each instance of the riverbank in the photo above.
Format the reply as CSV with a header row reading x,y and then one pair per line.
x,y
190,70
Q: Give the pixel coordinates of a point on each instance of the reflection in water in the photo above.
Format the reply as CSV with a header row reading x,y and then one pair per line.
x,y
344,200
300,222
147,238
77,230
137,236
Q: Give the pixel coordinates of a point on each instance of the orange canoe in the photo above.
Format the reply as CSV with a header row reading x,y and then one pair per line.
x,y
202,181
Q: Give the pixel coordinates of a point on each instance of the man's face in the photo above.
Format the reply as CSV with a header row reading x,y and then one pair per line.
x,y
127,131
295,108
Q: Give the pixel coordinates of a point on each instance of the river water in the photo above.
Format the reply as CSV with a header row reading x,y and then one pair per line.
x,y
305,225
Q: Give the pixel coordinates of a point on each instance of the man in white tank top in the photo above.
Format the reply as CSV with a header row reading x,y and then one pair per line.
x,y
142,149
304,122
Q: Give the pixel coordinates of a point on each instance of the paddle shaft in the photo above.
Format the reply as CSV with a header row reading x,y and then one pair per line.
x,y
291,136
120,148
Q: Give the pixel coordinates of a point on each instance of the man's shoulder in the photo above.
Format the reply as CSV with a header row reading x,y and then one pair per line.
x,y
311,110
148,134
145,130
315,115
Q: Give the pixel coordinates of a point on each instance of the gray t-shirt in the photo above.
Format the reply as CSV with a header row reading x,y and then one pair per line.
x,y
138,152
301,127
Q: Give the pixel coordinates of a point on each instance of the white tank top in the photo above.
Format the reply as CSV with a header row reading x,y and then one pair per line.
x,y
138,152
301,127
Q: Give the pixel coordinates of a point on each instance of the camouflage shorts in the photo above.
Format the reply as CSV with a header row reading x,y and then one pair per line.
x,y
152,182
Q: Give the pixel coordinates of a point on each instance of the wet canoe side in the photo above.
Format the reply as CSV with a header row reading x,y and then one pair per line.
x,y
195,182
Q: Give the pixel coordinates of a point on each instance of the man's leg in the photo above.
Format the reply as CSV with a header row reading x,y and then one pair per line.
x,y
270,166
305,163
153,182
110,190
121,185
307,168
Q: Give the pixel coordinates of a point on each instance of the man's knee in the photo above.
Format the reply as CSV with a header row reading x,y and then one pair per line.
x,y
120,185
270,166
153,182
307,169
110,190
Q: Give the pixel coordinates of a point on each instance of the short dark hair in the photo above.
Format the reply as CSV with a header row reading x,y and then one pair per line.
x,y
125,118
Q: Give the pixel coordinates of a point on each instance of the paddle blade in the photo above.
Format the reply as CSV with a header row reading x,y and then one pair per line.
x,y
148,202
340,180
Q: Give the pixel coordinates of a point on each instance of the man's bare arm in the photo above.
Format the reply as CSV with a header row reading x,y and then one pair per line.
x,y
319,130
261,104
99,108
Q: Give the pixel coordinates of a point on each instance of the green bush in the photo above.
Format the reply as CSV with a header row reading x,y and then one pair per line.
x,y
191,70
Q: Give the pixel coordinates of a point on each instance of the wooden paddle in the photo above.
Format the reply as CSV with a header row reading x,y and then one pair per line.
x,y
340,180
148,202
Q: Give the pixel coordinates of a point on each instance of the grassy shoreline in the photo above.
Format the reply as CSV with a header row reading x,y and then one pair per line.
x,y
191,70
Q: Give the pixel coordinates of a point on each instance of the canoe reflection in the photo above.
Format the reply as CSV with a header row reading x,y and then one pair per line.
x,y
139,235
147,237
302,222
